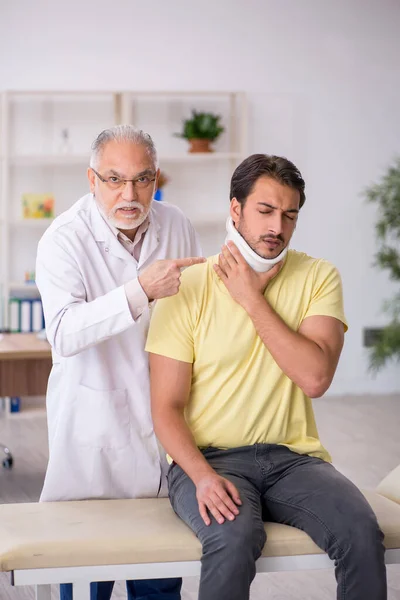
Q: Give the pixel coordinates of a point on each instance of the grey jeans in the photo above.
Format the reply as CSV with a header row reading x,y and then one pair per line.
x,y
276,484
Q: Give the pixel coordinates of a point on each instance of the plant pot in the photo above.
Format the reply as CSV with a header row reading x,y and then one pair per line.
x,y
200,145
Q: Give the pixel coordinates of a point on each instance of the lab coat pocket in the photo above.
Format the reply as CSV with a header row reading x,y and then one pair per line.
x,y
101,418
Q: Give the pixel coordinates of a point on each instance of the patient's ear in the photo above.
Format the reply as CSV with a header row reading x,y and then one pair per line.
x,y
235,211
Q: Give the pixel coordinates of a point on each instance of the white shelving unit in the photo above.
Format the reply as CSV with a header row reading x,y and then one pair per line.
x,y
32,161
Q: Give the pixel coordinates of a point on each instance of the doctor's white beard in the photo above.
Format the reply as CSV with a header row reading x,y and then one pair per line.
x,y
129,222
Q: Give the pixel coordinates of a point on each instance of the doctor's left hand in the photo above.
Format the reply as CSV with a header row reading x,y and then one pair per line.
x,y
163,277
243,283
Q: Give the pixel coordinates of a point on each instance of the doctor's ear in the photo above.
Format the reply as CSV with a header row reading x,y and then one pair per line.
x,y
92,179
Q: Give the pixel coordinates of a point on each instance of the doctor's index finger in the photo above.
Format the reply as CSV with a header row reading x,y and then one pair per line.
x,y
188,262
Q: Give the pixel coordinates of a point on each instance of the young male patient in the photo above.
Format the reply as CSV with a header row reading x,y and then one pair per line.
x,y
253,334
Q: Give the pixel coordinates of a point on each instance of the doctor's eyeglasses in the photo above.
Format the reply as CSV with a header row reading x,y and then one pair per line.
x,y
114,182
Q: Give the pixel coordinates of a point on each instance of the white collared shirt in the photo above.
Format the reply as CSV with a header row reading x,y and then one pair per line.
x,y
135,294
133,247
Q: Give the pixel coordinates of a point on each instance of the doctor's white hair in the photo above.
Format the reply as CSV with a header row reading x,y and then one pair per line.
x,y
122,133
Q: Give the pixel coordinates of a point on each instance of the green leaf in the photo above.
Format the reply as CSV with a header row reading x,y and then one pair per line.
x,y
386,195
387,348
201,126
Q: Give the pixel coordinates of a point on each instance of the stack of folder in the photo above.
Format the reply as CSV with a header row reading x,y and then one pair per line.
x,y
26,314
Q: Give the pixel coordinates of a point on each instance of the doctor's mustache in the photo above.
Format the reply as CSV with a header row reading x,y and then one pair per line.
x,y
129,205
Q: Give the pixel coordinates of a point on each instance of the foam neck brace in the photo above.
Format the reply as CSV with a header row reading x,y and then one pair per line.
x,y
256,262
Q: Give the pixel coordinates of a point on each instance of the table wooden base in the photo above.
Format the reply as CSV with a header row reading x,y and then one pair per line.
x,y
26,377
25,365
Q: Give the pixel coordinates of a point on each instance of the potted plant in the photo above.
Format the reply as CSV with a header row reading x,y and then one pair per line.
x,y
201,129
386,194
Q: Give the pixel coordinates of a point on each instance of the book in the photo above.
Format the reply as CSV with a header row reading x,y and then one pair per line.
x,y
38,206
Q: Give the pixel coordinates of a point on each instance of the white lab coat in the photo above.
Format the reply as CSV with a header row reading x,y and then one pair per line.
x,y
101,438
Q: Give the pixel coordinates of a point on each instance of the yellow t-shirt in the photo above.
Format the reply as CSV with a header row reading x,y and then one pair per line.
x,y
239,396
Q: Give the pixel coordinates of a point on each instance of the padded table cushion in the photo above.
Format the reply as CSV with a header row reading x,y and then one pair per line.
x,y
390,485
109,532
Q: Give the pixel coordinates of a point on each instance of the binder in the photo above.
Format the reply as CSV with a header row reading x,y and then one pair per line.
x,y
37,315
15,315
26,319
25,315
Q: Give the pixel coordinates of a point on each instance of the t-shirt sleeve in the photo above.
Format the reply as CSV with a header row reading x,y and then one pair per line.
x,y
172,325
327,297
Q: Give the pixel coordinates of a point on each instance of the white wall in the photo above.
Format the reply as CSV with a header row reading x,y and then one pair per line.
x,y
323,80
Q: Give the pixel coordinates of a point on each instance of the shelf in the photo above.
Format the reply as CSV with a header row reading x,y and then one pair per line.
x,y
141,93
65,160
217,220
200,157
24,291
23,287
32,223
56,160
197,221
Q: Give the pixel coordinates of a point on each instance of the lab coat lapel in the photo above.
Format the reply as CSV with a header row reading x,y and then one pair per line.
x,y
105,236
151,239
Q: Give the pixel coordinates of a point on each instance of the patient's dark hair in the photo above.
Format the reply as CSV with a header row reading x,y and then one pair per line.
x,y
264,165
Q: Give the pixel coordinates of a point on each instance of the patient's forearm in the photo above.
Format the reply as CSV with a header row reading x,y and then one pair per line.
x,y
174,434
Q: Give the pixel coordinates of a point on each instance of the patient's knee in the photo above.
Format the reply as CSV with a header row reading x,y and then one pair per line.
x,y
240,537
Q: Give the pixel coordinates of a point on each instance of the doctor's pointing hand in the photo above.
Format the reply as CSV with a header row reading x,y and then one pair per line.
x,y
163,278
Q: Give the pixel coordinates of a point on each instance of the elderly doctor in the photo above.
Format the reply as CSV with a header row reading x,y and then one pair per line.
x,y
99,266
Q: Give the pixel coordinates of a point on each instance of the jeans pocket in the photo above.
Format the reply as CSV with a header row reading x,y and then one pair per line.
x,y
171,476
